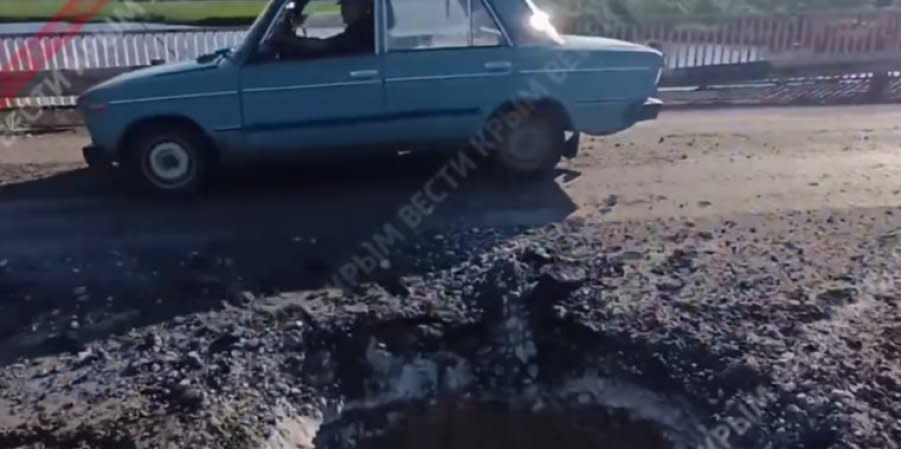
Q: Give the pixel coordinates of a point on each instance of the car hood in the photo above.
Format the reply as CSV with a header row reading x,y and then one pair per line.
x,y
156,71
603,43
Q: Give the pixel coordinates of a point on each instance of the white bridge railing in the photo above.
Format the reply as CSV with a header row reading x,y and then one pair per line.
x,y
686,43
136,48
108,49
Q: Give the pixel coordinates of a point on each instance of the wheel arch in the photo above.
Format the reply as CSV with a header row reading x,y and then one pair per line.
x,y
552,105
178,121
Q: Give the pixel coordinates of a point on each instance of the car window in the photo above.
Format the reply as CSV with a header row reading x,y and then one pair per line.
x,y
430,24
321,29
485,30
323,19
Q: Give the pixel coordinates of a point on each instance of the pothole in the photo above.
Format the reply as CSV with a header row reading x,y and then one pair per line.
x,y
468,423
446,400
501,383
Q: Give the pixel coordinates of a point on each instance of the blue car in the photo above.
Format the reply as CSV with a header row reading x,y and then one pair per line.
x,y
315,78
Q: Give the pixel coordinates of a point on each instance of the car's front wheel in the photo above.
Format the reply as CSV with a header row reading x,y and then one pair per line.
x,y
170,160
531,147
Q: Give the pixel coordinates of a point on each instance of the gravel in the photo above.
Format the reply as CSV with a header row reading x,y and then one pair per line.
x,y
798,312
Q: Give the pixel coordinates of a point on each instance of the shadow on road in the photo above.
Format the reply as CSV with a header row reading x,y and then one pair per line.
x,y
80,260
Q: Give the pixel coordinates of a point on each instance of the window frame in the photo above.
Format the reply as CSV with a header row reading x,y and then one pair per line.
x,y
505,40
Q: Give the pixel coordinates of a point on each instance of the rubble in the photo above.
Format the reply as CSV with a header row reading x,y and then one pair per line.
x,y
680,337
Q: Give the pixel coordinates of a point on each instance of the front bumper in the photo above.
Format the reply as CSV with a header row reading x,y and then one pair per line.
x,y
95,156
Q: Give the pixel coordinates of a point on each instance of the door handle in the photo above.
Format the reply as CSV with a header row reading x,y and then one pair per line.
x,y
498,65
368,73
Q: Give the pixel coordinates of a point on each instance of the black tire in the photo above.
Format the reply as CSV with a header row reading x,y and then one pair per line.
x,y
169,160
532,146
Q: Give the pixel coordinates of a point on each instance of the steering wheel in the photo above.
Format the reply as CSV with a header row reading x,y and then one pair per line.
x,y
293,19
303,26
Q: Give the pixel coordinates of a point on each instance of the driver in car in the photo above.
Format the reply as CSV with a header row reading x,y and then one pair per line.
x,y
357,37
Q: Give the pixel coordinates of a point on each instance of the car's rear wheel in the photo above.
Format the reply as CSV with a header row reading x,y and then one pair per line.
x,y
170,160
531,147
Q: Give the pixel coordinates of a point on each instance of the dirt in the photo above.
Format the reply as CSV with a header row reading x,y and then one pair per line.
x,y
667,273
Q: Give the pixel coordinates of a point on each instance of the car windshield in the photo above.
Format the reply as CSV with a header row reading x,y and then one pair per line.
x,y
264,19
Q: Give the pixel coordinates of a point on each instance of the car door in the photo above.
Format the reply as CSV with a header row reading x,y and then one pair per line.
x,y
445,62
312,103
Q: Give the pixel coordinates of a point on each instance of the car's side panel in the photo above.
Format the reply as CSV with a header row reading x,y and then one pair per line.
x,y
442,94
302,105
596,87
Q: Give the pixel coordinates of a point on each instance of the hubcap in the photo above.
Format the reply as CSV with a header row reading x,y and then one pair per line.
x,y
529,144
169,162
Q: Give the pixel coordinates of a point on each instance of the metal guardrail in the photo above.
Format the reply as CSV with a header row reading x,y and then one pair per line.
x,y
67,101
807,37
109,49
686,43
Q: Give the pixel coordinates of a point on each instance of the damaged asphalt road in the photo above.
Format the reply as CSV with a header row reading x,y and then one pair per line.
x,y
717,279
